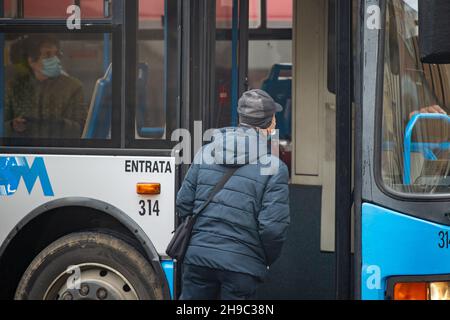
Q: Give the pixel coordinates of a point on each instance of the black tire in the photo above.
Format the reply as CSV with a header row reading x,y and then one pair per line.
x,y
89,248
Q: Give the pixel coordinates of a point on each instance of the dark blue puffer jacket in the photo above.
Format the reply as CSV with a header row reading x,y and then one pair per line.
x,y
245,225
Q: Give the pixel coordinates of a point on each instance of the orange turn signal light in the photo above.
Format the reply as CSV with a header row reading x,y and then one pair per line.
x,y
148,188
411,291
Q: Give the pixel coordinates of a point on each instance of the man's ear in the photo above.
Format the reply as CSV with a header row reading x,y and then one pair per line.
x,y
273,125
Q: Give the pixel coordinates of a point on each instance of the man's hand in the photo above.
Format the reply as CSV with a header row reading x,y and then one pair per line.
x,y
430,109
19,124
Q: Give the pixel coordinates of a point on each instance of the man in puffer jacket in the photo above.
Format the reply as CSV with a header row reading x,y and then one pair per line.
x,y
241,232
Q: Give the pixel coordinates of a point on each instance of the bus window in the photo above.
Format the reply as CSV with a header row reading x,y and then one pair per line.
x,y
56,88
270,66
150,98
224,14
222,114
416,99
53,9
269,57
151,14
279,14
271,52
155,113
269,62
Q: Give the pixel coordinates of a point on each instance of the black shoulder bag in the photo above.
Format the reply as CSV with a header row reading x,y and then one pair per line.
x,y
182,235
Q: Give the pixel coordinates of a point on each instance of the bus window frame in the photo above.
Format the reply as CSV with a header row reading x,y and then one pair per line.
x,y
402,196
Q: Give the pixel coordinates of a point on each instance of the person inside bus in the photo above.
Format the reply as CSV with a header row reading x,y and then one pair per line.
x,y
42,101
241,232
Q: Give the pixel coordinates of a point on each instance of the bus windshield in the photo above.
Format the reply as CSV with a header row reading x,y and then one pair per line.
x,y
416,103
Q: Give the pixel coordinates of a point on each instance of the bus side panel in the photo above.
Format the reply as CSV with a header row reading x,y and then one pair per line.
x,y
394,244
28,182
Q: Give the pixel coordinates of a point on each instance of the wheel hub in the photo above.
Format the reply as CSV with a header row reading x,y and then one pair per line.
x,y
94,282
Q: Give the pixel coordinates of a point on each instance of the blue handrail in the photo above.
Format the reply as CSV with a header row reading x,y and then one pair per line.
x,y
106,40
425,147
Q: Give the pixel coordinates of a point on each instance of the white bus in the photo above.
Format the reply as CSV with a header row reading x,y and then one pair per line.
x,y
87,175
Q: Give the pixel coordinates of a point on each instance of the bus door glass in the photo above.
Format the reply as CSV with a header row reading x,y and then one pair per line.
x,y
270,64
269,61
230,67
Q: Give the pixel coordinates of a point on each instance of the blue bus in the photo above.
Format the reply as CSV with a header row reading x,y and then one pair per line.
x,y
404,155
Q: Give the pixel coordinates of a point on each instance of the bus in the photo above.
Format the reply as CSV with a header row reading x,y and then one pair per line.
x,y
364,131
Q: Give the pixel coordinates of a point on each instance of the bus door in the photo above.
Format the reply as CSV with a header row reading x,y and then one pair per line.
x,y
88,105
403,221
287,48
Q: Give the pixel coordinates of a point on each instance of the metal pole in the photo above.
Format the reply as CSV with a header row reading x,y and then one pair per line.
x,y
106,39
234,63
20,9
243,46
343,147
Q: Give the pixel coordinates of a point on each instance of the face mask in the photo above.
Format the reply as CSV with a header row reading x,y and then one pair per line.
x,y
51,67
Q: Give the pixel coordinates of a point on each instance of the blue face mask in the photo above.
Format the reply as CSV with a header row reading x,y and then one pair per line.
x,y
51,67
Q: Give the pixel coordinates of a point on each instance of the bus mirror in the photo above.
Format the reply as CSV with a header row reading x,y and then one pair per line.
x,y
434,31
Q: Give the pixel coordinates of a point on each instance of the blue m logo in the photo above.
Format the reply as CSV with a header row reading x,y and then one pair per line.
x,y
12,169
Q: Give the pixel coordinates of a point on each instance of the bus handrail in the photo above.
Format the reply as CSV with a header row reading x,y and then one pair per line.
x,y
424,147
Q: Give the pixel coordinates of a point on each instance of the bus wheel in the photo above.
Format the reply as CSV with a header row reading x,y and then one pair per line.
x,y
89,266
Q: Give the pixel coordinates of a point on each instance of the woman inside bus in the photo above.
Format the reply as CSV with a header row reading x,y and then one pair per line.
x,y
42,101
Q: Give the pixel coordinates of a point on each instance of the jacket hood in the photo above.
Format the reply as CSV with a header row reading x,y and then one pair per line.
x,y
237,146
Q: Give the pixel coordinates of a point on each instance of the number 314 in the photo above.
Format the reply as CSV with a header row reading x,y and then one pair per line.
x,y
149,207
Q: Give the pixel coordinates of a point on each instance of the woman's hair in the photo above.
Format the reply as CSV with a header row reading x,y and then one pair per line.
x,y
29,46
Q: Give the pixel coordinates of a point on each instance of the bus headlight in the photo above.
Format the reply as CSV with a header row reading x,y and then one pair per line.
x,y
418,288
439,291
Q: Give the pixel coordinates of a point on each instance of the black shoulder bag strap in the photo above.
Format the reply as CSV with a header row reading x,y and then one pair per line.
x,y
228,174
180,241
